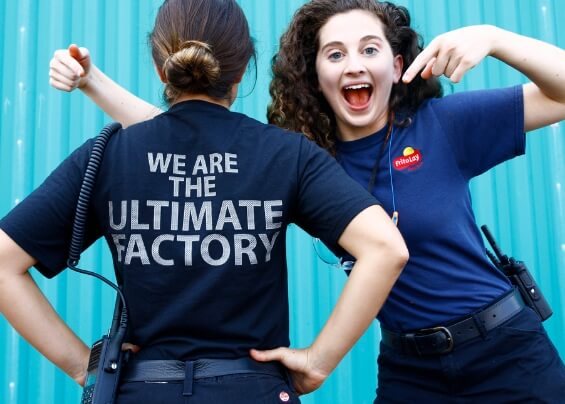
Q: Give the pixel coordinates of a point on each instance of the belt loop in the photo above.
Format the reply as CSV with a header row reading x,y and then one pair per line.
x,y
480,325
409,343
188,378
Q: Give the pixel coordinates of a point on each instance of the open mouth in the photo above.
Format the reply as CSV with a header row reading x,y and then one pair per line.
x,y
358,95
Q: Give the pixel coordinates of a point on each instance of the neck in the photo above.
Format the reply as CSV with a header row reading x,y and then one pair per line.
x,y
224,102
203,97
348,133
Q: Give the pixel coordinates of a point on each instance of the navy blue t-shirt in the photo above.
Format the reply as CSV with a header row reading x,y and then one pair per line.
x,y
450,141
194,205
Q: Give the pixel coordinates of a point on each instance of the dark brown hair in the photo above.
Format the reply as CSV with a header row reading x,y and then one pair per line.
x,y
202,46
296,102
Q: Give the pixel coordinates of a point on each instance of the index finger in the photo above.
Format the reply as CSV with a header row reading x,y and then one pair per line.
x,y
420,62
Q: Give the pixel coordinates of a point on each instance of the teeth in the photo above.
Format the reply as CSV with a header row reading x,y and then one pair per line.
x,y
357,86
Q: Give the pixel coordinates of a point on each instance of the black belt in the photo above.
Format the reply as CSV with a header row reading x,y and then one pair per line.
x,y
170,370
443,339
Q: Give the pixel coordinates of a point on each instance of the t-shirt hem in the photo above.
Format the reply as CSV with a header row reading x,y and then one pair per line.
x,y
19,238
345,219
520,133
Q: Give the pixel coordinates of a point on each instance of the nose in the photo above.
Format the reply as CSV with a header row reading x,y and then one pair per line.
x,y
355,65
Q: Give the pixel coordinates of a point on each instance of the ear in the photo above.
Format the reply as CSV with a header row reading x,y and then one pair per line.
x,y
398,65
160,73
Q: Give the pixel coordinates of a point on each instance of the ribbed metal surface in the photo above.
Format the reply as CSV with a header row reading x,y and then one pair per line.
x,y
523,201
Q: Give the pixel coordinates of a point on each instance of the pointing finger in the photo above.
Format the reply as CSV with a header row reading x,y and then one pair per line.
x,y
420,62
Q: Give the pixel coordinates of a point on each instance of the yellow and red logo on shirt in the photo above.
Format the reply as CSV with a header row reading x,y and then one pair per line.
x,y
411,159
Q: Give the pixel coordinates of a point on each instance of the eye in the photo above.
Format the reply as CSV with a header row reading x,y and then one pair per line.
x,y
370,50
335,55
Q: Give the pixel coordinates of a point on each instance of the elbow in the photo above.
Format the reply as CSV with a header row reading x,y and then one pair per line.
x,y
403,254
372,237
392,251
400,255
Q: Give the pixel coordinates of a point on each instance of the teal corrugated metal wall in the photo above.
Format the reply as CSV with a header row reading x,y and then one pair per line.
x,y
523,201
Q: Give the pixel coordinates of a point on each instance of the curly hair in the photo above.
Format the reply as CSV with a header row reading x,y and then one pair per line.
x,y
296,102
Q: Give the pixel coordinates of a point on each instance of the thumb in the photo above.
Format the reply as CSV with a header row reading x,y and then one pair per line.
x,y
267,355
74,51
82,56
126,346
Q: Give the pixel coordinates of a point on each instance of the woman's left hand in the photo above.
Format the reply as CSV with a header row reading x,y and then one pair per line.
x,y
306,374
454,53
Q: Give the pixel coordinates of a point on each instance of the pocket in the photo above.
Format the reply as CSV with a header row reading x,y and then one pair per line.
x,y
279,391
526,322
262,389
524,337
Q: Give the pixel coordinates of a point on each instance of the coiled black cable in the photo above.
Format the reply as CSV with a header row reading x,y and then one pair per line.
x,y
81,213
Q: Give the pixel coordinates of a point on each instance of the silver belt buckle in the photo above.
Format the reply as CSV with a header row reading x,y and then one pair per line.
x,y
444,330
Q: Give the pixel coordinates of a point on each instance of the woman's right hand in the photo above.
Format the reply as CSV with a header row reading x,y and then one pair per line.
x,y
81,377
69,68
454,53
307,374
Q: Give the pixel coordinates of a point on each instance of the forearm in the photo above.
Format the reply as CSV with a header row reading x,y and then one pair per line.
x,y
362,298
29,312
381,254
120,104
541,62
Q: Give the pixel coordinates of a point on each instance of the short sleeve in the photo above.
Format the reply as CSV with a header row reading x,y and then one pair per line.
x,y
41,224
485,128
328,198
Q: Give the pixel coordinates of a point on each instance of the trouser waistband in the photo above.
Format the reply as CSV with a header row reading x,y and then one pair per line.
x,y
172,370
443,339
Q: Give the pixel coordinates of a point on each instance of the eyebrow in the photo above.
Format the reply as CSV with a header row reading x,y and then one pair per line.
x,y
366,38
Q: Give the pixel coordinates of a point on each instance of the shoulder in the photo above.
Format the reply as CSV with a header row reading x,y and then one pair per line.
x,y
141,127
282,144
470,97
78,159
472,106
272,133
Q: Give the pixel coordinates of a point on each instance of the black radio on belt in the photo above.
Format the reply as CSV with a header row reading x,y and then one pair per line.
x,y
520,277
106,362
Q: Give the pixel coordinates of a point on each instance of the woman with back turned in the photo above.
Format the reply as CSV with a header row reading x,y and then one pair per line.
x,y
194,205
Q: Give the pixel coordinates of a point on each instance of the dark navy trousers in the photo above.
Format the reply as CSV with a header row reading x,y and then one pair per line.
x,y
514,363
229,389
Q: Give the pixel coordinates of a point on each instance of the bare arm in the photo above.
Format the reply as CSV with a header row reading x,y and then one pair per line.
x,y
454,53
381,255
544,65
29,312
73,68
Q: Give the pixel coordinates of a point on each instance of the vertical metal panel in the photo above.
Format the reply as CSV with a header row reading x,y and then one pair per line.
x,y
523,200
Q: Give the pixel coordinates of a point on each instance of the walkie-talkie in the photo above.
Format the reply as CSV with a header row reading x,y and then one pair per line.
x,y
105,364
106,356
520,277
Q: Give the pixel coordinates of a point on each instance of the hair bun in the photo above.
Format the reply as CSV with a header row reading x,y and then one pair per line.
x,y
192,67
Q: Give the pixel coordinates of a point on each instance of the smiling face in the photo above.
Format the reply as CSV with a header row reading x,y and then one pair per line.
x,y
356,70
